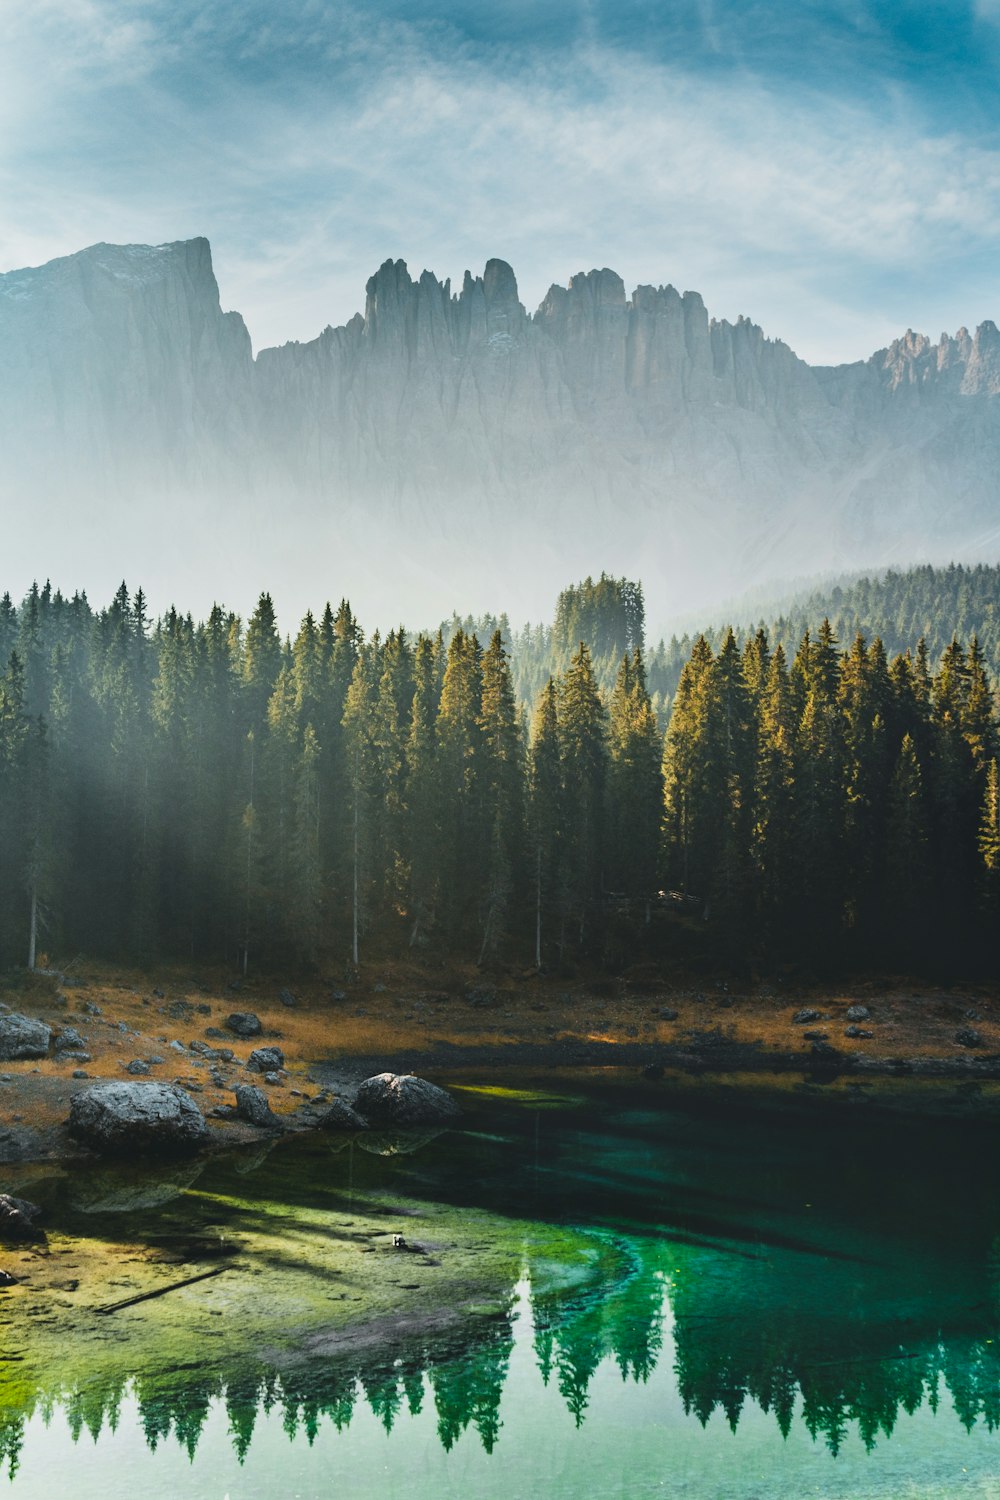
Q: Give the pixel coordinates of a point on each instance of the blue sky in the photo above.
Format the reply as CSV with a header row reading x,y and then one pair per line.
x,y
831,169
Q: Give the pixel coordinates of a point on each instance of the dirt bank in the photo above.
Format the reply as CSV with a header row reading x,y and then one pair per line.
x,y
409,1018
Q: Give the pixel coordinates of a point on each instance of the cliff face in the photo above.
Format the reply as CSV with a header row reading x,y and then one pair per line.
x,y
603,430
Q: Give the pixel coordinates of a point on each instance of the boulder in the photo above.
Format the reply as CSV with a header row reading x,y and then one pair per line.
x,y
125,1118
244,1023
266,1060
69,1040
858,1013
23,1038
403,1099
252,1106
18,1219
338,1115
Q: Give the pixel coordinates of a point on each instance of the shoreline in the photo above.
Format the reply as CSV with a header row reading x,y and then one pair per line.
x,y
942,1042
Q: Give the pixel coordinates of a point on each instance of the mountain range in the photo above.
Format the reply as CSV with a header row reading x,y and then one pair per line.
x,y
447,448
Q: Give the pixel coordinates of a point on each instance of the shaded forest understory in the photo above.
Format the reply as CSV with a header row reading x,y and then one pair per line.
x,y
207,790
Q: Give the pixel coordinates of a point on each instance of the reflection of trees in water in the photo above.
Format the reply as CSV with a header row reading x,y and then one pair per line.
x,y
734,1342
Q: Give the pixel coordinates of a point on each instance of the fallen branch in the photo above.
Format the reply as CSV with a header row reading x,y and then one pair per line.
x,y
161,1291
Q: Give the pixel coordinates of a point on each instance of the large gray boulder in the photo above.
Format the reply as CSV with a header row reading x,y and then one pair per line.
x,y
403,1099
124,1119
21,1038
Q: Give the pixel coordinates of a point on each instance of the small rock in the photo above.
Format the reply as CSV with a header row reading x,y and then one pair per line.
x,y
823,1049
179,1010
157,1062
18,1219
69,1040
137,1067
668,1015
203,1010
338,994
158,994
79,1073
224,1112
90,1009
803,1017
380,989
858,1013
244,1023
266,1060
273,1078
859,1033
177,1046
213,1031
968,1036
972,1015
816,1036
287,998
481,997
252,1106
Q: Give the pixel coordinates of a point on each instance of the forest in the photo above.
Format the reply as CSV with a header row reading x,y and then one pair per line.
x,y
211,791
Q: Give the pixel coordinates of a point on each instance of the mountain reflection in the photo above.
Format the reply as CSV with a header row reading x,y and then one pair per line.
x,y
836,1371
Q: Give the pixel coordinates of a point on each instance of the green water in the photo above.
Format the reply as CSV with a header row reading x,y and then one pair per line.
x,y
603,1296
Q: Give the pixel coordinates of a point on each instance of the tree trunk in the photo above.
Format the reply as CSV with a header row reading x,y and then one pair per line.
x,y
33,933
538,910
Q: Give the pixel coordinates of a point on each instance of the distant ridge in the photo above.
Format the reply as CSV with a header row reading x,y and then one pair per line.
x,y
452,435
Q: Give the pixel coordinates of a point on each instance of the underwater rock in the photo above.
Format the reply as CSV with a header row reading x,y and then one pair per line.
x,y
17,1219
404,1099
128,1189
137,1117
338,1115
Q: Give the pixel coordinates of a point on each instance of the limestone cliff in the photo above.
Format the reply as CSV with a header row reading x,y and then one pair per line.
x,y
632,431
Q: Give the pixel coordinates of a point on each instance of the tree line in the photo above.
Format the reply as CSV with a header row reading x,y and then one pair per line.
x,y
208,789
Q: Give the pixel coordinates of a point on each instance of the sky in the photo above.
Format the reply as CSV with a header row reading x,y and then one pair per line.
x,y
830,168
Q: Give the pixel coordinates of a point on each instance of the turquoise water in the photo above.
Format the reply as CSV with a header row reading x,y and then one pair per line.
x,y
607,1297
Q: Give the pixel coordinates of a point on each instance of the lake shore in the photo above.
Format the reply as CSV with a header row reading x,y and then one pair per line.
x,y
404,1019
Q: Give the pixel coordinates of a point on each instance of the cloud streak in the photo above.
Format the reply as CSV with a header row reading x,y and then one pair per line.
x,y
311,141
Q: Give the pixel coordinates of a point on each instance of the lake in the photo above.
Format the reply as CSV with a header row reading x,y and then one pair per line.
x,y
601,1293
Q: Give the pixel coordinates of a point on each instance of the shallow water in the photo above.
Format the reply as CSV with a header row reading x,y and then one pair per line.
x,y
602,1296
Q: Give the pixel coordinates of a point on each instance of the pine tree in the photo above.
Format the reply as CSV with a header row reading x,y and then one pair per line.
x,y
306,905
584,753
907,865
422,827
501,777
546,811
635,784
